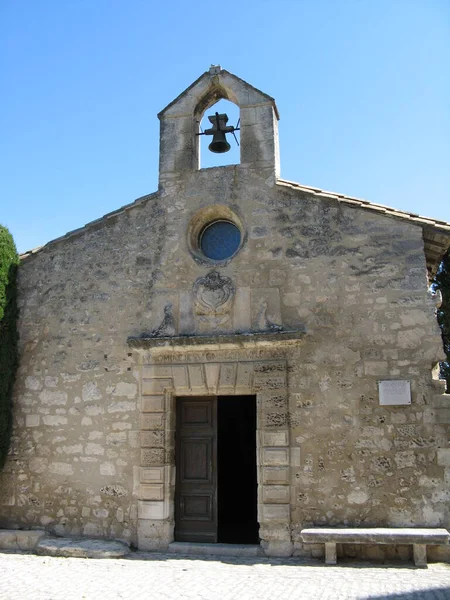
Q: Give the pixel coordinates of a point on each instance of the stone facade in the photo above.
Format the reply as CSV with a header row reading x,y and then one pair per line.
x,y
326,296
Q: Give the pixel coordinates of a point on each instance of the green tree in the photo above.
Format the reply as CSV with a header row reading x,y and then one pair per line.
x,y
441,281
9,261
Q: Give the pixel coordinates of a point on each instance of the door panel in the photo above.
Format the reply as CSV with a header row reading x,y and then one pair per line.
x,y
196,459
196,507
195,412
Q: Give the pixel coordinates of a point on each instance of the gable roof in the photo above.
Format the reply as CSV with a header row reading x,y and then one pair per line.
x,y
436,234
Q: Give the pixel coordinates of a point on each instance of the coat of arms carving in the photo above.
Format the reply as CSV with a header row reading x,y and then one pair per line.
x,y
214,294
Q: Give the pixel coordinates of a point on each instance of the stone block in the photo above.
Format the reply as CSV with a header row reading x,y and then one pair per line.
x,y
32,420
330,553
153,404
108,468
276,548
152,439
157,371
275,475
12,539
156,386
275,494
277,418
275,512
275,456
420,555
8,540
275,438
152,456
244,377
405,459
276,399
442,416
153,510
376,367
295,457
151,492
443,457
197,377
187,321
54,420
152,421
180,378
266,382
82,548
212,371
227,377
241,310
441,401
123,406
411,338
154,534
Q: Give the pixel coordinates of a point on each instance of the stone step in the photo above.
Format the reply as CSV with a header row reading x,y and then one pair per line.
x,y
81,548
19,539
196,548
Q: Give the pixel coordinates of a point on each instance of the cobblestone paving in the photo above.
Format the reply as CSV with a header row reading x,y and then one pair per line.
x,y
160,576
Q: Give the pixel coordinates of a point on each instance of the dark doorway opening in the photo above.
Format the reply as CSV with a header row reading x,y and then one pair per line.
x,y
216,472
236,470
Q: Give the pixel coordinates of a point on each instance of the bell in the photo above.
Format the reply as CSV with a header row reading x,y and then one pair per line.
x,y
219,129
219,143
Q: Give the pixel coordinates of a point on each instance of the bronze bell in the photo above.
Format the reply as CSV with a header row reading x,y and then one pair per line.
x,y
219,129
219,143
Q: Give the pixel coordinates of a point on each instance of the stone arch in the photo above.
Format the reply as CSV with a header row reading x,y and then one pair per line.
x,y
206,158
211,97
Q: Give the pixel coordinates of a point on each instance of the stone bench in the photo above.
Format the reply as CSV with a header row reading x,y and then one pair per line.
x,y
419,538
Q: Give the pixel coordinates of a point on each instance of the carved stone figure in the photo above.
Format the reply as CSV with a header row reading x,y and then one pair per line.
x,y
264,323
167,327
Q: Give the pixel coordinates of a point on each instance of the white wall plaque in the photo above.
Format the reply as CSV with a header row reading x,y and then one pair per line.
x,y
394,392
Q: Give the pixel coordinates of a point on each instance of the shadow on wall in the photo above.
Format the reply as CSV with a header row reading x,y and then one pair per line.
x,y
436,593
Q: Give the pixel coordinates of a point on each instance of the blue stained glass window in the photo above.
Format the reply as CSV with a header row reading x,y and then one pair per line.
x,y
220,240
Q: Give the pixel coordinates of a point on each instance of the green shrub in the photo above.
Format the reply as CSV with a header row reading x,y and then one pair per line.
x,y
8,336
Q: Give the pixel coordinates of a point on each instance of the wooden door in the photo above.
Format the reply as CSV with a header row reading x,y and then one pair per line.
x,y
196,468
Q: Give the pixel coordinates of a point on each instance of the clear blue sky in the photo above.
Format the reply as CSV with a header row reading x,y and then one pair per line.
x,y
362,86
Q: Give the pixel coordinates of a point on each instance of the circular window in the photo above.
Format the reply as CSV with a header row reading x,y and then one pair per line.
x,y
219,240
215,235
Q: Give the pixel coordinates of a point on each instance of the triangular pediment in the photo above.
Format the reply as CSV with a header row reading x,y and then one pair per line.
x,y
210,87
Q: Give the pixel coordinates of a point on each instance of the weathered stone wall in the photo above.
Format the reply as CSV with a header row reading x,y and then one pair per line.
x,y
76,426
354,280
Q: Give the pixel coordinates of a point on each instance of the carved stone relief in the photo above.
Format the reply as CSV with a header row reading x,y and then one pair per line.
x,y
213,296
166,328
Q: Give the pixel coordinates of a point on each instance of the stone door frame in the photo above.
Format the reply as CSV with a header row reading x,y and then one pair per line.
x,y
163,378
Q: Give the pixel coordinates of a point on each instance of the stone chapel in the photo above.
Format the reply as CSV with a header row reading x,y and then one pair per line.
x,y
231,358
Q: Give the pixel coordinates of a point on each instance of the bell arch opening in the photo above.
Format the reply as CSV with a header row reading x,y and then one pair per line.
x,y
208,158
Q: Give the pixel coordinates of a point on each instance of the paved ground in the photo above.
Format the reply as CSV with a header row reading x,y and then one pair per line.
x,y
159,576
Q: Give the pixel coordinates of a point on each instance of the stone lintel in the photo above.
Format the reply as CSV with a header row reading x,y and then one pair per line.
x,y
219,342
